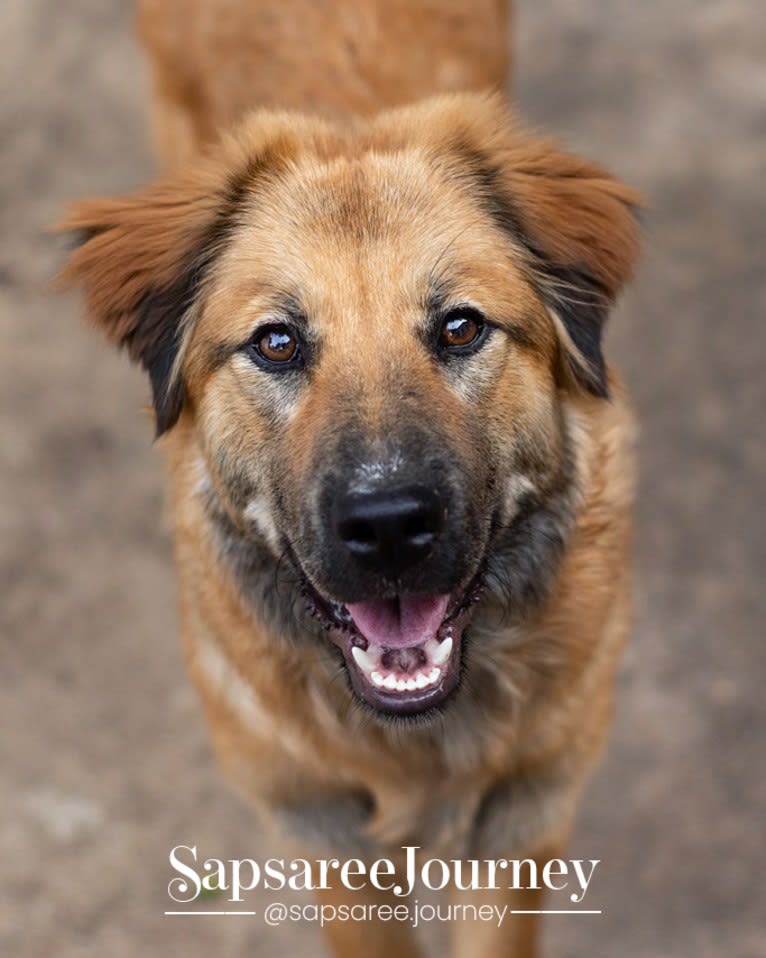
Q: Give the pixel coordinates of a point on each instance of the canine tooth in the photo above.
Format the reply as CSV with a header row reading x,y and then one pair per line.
x,y
377,679
422,681
411,685
433,675
441,655
390,682
365,662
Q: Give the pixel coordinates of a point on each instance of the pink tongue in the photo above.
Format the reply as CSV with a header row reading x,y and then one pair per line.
x,y
401,622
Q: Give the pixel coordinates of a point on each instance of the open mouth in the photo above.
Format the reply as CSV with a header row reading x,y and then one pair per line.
x,y
402,654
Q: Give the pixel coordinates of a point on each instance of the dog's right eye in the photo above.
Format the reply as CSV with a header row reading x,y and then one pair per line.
x,y
462,331
276,345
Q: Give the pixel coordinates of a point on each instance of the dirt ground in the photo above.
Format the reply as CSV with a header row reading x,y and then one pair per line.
x,y
105,762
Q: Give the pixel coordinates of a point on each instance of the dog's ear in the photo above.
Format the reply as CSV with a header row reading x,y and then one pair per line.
x,y
576,224
142,259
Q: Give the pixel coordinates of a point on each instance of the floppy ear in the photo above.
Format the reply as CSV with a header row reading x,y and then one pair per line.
x,y
143,259
575,222
579,226
141,263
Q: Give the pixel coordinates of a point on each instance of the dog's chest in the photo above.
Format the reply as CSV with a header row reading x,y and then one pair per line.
x,y
494,819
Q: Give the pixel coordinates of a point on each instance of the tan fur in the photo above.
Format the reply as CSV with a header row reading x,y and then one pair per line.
x,y
212,61
357,214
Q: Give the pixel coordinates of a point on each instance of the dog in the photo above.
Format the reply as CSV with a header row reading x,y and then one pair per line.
x,y
370,306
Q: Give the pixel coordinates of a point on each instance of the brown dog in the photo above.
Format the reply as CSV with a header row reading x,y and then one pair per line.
x,y
401,469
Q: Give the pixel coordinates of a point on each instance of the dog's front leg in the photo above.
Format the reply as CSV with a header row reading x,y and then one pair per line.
x,y
370,936
506,933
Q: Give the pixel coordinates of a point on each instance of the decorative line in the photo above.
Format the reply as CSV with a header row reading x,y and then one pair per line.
x,y
209,912
549,911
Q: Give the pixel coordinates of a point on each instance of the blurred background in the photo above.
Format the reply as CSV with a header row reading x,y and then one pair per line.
x,y
104,758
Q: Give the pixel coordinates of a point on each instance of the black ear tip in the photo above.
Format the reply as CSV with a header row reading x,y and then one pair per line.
x,y
167,390
604,393
593,375
581,304
167,409
599,387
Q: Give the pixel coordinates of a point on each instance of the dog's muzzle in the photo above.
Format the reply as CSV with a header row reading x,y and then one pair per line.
x,y
395,586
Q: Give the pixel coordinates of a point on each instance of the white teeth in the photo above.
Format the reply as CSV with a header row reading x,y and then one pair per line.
x,y
365,662
437,652
416,683
442,653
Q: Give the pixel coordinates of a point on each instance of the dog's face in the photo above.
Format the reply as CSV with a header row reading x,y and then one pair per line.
x,y
373,336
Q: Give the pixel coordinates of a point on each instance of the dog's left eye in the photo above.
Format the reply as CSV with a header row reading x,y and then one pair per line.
x,y
462,330
276,345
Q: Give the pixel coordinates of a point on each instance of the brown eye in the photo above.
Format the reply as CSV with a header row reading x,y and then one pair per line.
x,y
277,345
462,329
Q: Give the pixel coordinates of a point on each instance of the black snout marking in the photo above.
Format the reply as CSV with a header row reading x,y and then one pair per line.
x,y
389,530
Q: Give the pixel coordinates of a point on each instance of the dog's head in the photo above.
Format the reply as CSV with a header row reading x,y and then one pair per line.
x,y
371,335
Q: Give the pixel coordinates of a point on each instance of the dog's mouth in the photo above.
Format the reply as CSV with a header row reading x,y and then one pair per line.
x,y
403,654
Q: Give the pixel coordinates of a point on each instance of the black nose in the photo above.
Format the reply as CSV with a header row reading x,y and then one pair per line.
x,y
389,530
